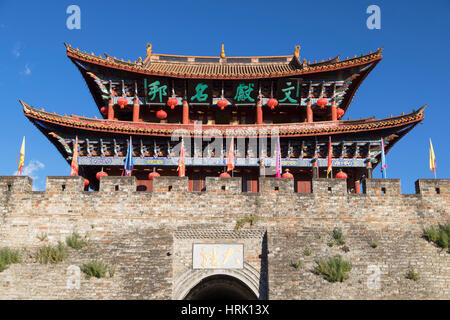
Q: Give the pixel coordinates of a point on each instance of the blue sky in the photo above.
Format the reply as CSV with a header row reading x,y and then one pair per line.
x,y
414,71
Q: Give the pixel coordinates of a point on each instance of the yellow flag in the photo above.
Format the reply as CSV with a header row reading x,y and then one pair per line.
x,y
21,158
432,159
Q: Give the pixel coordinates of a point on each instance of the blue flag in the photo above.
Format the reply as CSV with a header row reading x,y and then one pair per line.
x,y
128,166
383,160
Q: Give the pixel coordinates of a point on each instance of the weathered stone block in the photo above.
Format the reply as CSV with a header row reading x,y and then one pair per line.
x,y
227,185
65,184
324,186
170,184
118,184
383,187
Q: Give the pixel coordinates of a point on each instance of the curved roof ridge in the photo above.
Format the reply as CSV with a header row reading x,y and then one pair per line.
x,y
325,127
290,64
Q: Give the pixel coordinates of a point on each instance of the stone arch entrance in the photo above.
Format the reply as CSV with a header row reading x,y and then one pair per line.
x,y
220,287
237,283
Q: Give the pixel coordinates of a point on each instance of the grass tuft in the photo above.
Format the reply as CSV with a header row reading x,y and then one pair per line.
x,y
412,275
333,269
98,269
338,236
76,241
247,219
439,235
48,254
8,256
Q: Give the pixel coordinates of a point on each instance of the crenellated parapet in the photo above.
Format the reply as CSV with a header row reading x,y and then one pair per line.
x,y
390,187
321,186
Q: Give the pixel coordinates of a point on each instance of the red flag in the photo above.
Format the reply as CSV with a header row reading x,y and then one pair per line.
x,y
330,157
181,167
74,164
230,159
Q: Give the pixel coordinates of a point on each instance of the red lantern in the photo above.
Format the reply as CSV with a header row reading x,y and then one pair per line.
x,y
122,102
161,114
103,110
86,182
153,174
172,103
101,174
322,103
341,175
287,175
222,103
340,112
224,175
272,103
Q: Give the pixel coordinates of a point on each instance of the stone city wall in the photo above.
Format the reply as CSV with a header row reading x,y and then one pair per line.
x,y
148,237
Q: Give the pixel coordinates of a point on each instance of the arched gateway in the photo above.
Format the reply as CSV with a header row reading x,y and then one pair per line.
x,y
243,284
220,287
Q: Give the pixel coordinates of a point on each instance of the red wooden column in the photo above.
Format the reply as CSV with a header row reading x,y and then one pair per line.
x,y
259,112
136,110
369,168
315,168
333,111
309,112
110,110
357,187
185,119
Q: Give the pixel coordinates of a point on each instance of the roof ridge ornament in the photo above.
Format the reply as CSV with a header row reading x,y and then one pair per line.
x,y
149,52
297,52
222,52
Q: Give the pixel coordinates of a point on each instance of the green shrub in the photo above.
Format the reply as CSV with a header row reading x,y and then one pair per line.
x,y
333,269
412,275
296,264
307,252
440,235
8,256
97,268
338,236
247,219
51,254
331,244
374,244
76,241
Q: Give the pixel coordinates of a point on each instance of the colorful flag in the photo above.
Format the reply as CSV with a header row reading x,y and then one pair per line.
x,y
330,157
230,158
74,164
129,163
181,167
278,163
432,159
383,160
21,158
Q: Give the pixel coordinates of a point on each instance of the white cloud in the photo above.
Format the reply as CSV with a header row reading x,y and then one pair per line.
x,y
31,168
27,70
16,51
